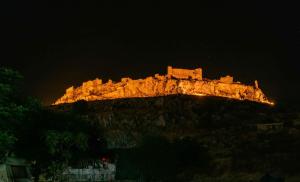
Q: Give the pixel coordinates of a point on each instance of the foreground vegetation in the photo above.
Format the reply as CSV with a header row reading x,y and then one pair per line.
x,y
49,140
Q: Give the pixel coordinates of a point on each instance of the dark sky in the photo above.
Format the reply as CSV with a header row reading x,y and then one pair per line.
x,y
56,45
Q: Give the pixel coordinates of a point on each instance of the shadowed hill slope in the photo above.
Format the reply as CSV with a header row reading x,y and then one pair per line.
x,y
126,120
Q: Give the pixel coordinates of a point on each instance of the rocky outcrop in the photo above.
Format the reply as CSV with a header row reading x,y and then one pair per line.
x,y
186,82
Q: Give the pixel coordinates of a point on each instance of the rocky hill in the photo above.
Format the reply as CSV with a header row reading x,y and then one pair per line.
x,y
126,121
177,81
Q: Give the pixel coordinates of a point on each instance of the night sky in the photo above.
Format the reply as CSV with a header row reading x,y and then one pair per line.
x,y
56,45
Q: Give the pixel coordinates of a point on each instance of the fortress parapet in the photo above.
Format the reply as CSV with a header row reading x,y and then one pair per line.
x,y
226,79
179,73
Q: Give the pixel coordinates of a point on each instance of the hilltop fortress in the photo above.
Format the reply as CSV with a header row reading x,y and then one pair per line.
x,y
177,81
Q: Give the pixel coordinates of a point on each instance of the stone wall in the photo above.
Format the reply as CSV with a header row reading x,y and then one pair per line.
x,y
184,73
177,81
226,79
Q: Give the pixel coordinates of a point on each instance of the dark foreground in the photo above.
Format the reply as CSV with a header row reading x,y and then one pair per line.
x,y
188,138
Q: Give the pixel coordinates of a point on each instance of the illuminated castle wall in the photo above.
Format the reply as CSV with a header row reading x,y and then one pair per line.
x,y
177,81
184,73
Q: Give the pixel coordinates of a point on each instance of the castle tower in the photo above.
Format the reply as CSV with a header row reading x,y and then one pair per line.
x,y
184,73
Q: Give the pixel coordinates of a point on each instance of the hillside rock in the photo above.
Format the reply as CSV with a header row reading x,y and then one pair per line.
x,y
177,81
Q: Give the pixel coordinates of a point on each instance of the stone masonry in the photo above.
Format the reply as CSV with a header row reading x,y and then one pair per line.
x,y
184,73
177,81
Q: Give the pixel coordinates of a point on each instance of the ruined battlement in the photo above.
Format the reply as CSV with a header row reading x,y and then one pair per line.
x,y
179,73
226,79
176,81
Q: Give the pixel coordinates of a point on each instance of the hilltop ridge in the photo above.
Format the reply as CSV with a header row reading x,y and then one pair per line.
x,y
176,82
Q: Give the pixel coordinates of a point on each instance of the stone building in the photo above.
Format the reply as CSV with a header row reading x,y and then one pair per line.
x,y
104,172
226,79
184,73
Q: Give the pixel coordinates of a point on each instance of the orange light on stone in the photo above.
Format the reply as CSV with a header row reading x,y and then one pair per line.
x,y
177,81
